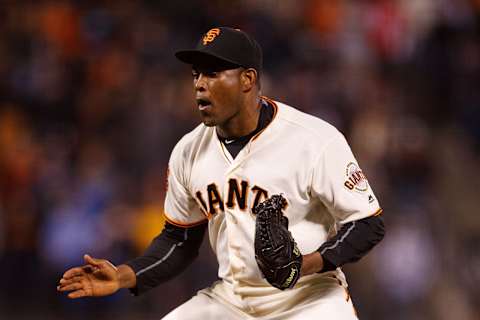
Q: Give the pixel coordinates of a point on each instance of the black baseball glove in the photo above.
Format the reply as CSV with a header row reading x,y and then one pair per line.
x,y
276,252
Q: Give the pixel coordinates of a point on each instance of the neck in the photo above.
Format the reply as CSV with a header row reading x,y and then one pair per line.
x,y
243,122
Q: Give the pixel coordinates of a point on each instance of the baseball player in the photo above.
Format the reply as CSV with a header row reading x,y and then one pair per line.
x,y
283,199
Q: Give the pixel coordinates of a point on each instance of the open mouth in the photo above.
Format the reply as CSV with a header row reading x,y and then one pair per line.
x,y
203,104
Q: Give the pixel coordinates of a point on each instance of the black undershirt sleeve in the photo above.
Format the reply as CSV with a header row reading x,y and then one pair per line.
x,y
167,256
354,240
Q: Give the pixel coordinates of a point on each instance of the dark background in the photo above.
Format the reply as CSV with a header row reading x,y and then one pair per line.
x,y
92,101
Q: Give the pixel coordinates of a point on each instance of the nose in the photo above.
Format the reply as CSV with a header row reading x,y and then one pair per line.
x,y
200,83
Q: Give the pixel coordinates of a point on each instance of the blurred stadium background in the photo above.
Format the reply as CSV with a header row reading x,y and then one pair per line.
x,y
92,101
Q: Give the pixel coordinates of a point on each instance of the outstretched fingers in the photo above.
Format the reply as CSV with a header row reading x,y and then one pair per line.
x,y
64,282
79,286
71,286
78,294
93,261
79,271
70,273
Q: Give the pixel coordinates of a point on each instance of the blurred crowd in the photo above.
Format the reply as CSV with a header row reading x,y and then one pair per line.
x,y
92,101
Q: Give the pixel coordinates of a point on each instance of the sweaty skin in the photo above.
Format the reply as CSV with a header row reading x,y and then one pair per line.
x,y
227,99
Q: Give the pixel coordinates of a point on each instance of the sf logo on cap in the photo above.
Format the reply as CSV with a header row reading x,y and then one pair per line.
x,y
210,35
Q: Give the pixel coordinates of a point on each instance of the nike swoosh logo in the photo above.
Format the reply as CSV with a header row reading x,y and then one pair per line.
x,y
229,141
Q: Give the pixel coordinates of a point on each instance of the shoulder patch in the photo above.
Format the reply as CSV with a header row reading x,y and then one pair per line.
x,y
355,179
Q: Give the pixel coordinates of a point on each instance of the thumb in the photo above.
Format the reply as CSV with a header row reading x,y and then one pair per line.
x,y
92,261
99,263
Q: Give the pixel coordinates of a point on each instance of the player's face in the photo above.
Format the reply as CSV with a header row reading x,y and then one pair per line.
x,y
218,94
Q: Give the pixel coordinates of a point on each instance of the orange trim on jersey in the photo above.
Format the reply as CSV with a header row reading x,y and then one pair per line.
x,y
275,111
347,294
182,224
377,213
207,214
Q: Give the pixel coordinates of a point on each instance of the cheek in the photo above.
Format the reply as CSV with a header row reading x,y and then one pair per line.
x,y
227,94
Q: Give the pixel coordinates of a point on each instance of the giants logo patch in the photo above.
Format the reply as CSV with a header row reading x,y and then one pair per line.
x,y
210,36
356,180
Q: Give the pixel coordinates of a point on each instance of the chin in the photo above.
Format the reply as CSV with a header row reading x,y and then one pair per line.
x,y
209,122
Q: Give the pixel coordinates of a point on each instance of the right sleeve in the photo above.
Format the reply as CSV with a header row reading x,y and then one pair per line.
x,y
181,209
168,255
353,241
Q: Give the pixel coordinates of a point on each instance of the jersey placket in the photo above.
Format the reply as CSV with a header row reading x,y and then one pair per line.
x,y
234,226
234,217
233,238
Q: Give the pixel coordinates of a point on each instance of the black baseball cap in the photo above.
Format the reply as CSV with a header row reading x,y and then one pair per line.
x,y
225,48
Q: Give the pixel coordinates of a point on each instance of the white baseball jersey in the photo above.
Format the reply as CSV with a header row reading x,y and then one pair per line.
x,y
297,155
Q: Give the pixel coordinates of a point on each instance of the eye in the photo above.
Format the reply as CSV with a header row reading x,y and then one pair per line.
x,y
211,74
195,74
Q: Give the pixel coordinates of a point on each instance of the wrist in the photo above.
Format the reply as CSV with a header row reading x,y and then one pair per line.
x,y
126,277
312,263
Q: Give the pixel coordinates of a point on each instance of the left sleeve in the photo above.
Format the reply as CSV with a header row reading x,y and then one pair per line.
x,y
341,185
354,240
344,189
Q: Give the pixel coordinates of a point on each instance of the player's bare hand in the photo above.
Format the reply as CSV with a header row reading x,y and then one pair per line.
x,y
98,277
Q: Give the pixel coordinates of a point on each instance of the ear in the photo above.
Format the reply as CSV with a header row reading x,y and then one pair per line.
x,y
249,78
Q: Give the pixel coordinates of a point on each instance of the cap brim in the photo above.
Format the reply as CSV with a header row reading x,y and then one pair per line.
x,y
197,58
